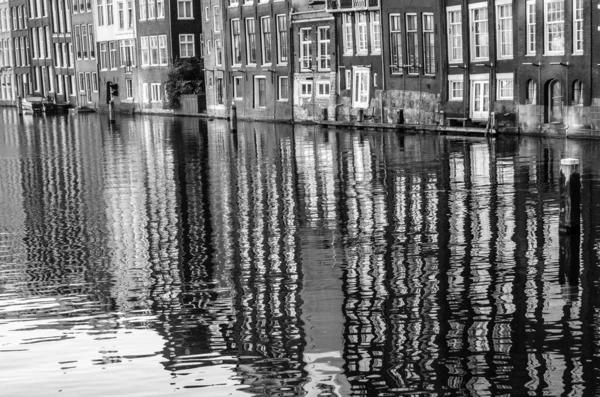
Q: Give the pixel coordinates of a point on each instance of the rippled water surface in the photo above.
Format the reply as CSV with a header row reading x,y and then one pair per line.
x,y
168,256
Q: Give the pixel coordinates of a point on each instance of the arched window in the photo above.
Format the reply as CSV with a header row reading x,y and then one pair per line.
x,y
577,92
532,92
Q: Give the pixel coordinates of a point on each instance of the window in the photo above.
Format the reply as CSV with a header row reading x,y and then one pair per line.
x,y
92,42
153,41
479,33
84,41
455,87
112,47
218,53
151,9
250,41
454,34
145,92
129,14
217,19
347,34
555,26
532,92
504,83
395,43
577,93
236,52
127,53
282,88
412,43
324,57
143,7
186,45
121,14
323,88
282,49
162,50
155,92
360,88
531,34
109,13
305,89
81,82
208,50
265,26
578,26
219,87
429,44
237,87
260,92
129,88
145,51
305,45
505,30
77,41
184,9
160,8
375,32
361,33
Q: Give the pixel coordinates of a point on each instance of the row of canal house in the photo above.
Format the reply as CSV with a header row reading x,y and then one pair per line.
x,y
515,64
86,53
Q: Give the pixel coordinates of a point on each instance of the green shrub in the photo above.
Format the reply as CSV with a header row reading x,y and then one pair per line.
x,y
185,77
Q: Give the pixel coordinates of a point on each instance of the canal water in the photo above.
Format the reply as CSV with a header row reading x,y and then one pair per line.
x,y
168,256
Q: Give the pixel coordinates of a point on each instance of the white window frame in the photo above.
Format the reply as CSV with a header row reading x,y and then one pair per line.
x,y
429,57
577,27
414,35
483,7
235,45
250,22
282,35
238,95
455,45
321,87
265,22
531,27
362,41
129,88
184,40
281,80
155,88
305,49
216,19
375,23
163,54
145,51
395,29
257,92
323,55
145,96
305,88
504,30
505,78
453,80
547,28
183,3
361,74
348,34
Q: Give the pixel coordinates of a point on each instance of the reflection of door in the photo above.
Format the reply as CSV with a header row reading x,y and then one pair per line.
x,y
480,100
554,102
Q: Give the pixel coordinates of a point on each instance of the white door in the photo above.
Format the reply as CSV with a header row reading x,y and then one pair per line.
x,y
480,100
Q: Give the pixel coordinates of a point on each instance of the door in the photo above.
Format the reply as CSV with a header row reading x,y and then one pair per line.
x,y
554,102
480,100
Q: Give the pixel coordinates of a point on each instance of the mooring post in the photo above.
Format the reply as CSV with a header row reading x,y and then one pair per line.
x,y
111,111
570,196
20,105
233,117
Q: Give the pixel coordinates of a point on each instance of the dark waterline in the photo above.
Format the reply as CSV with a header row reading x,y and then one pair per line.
x,y
166,255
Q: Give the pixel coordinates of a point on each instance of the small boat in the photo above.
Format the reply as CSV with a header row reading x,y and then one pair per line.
x,y
33,104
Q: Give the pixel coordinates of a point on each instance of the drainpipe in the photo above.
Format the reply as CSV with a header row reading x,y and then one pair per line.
x,y
383,68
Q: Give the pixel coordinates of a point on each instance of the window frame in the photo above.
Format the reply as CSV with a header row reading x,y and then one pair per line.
x,y
530,28
179,9
280,80
456,79
578,35
357,72
323,54
504,50
305,49
548,24
187,43
483,9
502,77
266,46
282,38
238,95
257,97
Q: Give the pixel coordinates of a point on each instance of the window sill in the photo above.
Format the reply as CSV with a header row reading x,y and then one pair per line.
x,y
577,54
283,100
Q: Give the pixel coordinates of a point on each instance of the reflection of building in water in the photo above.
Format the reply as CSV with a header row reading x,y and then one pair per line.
x,y
267,275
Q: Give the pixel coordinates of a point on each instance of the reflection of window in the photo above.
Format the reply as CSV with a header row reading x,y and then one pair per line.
x,y
504,22
282,88
360,88
455,87
504,85
454,34
531,34
577,93
479,33
237,87
260,92
555,26
532,92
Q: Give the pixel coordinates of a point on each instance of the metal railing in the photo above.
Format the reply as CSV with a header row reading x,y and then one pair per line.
x,y
351,5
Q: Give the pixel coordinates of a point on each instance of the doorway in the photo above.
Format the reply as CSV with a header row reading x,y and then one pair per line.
x,y
554,102
480,99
